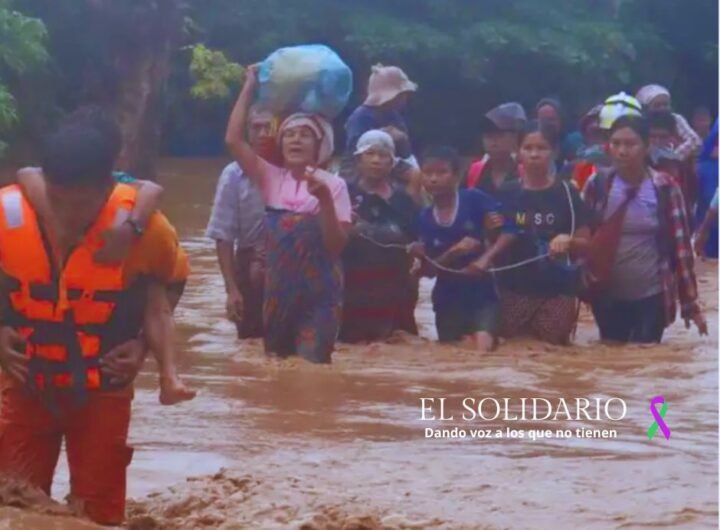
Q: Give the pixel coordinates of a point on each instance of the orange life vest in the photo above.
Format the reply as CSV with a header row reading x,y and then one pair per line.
x,y
72,315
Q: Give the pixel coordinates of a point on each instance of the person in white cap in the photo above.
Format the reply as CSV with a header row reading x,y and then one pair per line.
x,y
388,91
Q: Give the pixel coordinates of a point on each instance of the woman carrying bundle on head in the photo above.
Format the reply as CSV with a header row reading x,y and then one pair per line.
x,y
380,295
307,221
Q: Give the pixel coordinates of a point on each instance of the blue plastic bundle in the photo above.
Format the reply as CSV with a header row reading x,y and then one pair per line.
x,y
309,78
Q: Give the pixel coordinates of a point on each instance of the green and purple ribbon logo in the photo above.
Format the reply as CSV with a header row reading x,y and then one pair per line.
x,y
659,423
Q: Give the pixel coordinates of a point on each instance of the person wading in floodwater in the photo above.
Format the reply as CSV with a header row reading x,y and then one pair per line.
x,y
453,233
380,294
69,347
540,299
307,222
653,263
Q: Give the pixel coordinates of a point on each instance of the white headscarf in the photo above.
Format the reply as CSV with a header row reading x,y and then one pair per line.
x,y
375,139
649,92
320,127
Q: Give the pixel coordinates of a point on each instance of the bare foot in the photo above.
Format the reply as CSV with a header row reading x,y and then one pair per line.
x,y
173,391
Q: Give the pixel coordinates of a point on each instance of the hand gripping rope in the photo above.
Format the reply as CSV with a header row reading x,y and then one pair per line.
x,y
517,265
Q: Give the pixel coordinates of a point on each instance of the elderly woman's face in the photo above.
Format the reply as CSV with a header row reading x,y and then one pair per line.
x,y
375,164
660,103
299,147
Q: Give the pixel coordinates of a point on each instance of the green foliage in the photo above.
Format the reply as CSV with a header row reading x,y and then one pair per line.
x,y
466,55
214,75
21,50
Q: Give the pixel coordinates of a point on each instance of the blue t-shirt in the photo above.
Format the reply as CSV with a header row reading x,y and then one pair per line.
x,y
455,290
365,118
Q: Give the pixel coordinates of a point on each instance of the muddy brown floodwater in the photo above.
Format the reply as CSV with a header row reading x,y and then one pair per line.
x,y
287,445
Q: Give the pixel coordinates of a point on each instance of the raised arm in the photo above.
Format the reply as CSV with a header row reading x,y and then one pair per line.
x,y
235,139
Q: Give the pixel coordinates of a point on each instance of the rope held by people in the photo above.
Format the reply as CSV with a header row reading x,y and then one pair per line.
x,y
443,268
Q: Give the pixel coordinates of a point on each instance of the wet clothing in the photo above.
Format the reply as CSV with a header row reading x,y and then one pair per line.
x,y
95,437
250,276
454,323
636,272
378,287
550,319
95,431
640,321
540,216
238,217
303,288
677,264
69,313
476,213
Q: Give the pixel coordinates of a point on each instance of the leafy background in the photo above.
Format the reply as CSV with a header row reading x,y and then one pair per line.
x,y
467,55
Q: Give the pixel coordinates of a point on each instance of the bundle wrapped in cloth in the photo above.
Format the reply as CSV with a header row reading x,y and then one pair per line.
x,y
309,78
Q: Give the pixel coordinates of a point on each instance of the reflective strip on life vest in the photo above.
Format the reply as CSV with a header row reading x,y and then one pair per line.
x,y
65,380
12,206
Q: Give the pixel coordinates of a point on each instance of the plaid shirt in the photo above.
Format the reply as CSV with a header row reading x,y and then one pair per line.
x,y
677,269
691,142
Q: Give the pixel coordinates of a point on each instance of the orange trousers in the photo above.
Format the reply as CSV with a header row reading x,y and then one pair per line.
x,y
95,438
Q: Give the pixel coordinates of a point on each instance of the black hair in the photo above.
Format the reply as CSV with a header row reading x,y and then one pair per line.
x,y
99,118
535,126
639,124
444,153
662,120
83,150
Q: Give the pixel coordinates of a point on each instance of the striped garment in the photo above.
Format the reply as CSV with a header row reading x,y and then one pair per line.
x,y
677,271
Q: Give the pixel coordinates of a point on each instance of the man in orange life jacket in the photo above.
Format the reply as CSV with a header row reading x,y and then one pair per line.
x,y
69,326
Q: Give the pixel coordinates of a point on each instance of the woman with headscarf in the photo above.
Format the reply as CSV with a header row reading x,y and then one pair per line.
x,y
308,215
657,98
380,294
707,170
549,112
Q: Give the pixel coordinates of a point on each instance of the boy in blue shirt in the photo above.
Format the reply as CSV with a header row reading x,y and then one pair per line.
x,y
456,233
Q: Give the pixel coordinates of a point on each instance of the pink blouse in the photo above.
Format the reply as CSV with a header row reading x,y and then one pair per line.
x,y
280,190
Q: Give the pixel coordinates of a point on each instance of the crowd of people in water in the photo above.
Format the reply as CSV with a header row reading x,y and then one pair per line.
x,y
546,218
313,250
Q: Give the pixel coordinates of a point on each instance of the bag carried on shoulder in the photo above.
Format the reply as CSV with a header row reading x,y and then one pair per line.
x,y
604,243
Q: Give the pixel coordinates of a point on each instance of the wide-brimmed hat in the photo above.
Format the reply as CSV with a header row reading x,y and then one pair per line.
x,y
505,117
386,83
